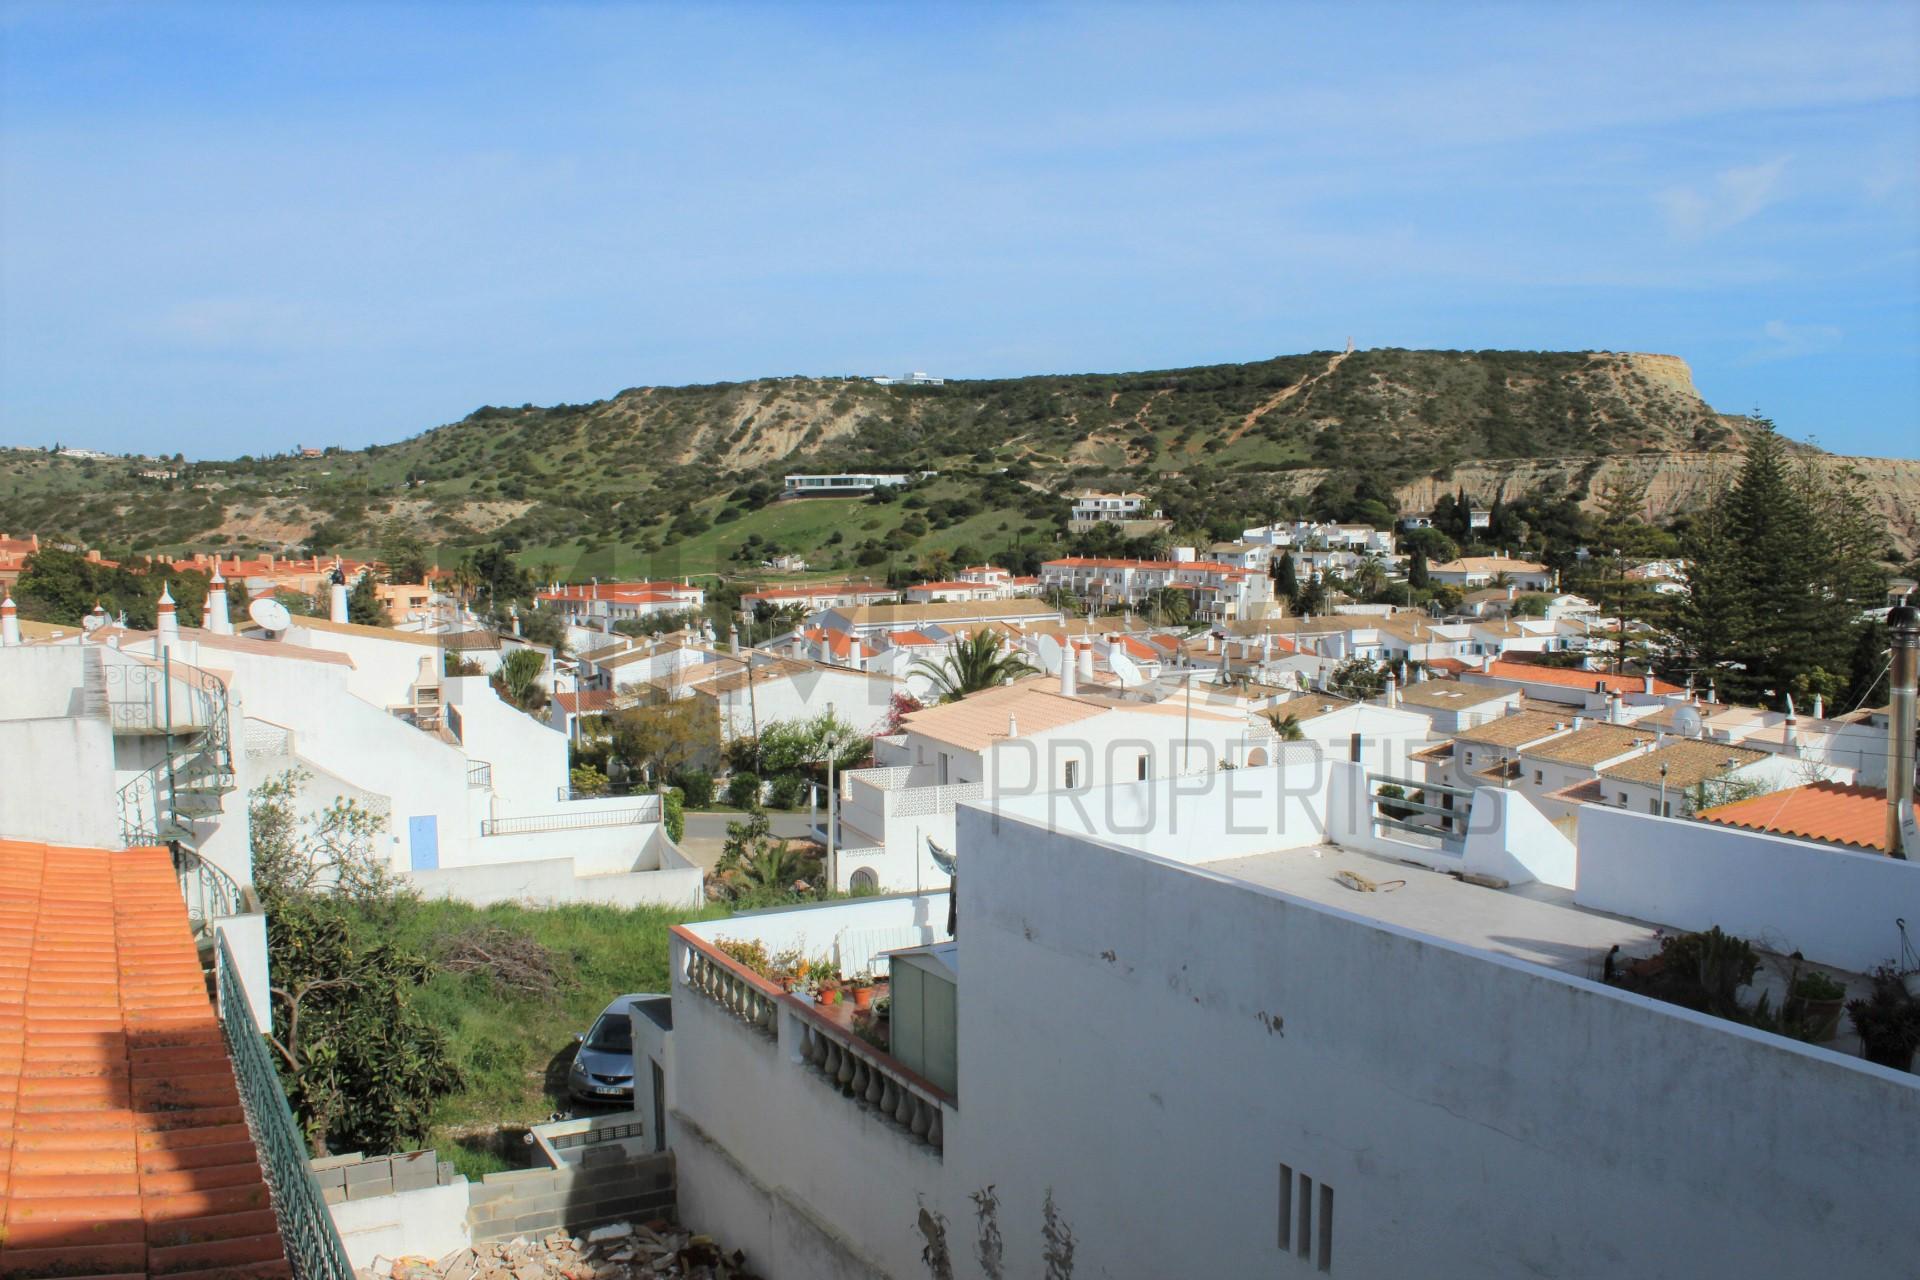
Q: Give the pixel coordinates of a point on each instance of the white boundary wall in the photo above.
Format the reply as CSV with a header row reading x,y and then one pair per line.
x,y
1834,906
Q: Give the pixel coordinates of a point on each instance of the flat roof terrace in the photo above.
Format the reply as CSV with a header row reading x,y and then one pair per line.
x,y
1526,924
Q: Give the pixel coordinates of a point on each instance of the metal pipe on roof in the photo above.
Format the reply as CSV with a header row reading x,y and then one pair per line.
x,y
1904,665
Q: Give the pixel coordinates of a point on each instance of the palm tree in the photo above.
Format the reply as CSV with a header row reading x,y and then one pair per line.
x,y
976,663
773,868
1287,726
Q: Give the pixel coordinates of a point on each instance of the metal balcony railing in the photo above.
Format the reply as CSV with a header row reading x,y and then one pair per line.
x,y
636,817
312,1242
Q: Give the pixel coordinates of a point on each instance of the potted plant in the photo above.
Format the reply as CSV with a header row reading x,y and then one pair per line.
x,y
1888,1021
1814,1004
827,975
860,986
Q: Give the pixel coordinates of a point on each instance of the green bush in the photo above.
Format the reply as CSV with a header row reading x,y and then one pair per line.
x,y
743,790
789,791
674,811
696,786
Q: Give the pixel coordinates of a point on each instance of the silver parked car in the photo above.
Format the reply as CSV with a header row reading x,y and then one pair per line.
x,y
602,1068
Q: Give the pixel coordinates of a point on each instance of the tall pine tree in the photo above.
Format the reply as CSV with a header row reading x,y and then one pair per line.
x,y
1777,571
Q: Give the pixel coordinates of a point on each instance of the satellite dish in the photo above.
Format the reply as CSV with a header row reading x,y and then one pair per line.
x,y
941,858
93,622
1687,722
270,614
1124,669
1049,652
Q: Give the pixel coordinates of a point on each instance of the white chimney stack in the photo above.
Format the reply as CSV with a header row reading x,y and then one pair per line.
x,y
1904,625
1646,684
1819,707
218,620
169,620
1613,707
9,622
1393,691
1068,686
338,609
1086,664
1792,736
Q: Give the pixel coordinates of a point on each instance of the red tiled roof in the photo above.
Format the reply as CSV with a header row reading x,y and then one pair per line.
x,y
1830,812
1569,678
624,592
123,1147
1101,562
592,702
909,638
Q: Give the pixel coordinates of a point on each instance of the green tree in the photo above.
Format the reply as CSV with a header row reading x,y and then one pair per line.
x,y
363,603
1286,578
976,663
1417,575
1358,678
361,1062
1778,568
1173,604
665,737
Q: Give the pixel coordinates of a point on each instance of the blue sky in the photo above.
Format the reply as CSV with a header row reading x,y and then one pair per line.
x,y
229,229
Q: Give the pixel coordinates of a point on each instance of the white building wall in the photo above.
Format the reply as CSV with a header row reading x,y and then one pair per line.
x,y
1834,906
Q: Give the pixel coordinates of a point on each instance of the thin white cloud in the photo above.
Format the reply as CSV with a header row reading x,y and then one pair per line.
x,y
1696,211
1783,341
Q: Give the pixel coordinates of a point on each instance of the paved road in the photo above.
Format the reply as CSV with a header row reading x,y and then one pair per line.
x,y
707,832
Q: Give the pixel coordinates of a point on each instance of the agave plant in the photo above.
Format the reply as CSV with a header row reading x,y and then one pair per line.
x,y
976,663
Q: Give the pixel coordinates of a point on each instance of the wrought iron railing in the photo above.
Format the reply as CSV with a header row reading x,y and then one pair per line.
x,y
645,813
150,808
480,775
209,891
307,1231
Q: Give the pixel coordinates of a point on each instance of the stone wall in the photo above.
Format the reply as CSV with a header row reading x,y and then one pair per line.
x,y
536,1202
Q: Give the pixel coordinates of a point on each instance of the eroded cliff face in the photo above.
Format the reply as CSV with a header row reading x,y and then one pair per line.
x,y
1673,482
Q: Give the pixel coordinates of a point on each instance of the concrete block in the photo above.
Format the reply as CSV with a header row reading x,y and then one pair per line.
x,y
335,1162
446,1173
333,1195
414,1175
370,1171
369,1190
334,1177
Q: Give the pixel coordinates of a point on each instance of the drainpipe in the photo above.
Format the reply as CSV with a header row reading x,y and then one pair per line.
x,y
1904,623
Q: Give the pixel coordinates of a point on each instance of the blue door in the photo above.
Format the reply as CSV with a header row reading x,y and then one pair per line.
x,y
423,840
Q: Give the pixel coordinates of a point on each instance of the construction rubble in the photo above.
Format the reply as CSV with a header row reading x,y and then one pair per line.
x,y
623,1251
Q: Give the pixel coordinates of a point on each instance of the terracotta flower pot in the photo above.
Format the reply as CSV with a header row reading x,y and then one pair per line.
x,y
829,995
862,997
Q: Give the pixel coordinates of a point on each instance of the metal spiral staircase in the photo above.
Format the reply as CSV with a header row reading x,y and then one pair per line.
x,y
185,708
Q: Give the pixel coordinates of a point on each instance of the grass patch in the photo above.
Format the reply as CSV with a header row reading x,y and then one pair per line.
x,y
513,1048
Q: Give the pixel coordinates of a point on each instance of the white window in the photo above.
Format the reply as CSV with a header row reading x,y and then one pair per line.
x,y
1469,759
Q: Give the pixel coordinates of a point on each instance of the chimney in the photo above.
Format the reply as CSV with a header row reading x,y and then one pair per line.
x,y
1068,686
1212,641
1613,708
1512,591
1819,707
1904,624
217,619
1579,723
9,622
338,611
1792,735
1086,664
1393,691
1713,694
169,620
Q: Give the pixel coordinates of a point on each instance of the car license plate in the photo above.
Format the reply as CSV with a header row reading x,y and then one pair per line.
x,y
608,1088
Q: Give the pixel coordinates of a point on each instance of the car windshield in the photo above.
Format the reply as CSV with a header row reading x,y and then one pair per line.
x,y
613,1033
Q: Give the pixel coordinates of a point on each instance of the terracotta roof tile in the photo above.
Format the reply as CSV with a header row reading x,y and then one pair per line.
x,y
123,1147
1829,812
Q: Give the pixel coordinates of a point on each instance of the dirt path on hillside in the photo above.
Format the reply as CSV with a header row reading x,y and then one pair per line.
x,y
1283,395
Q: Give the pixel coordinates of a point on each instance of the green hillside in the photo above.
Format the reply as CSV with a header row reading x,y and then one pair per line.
x,y
682,478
